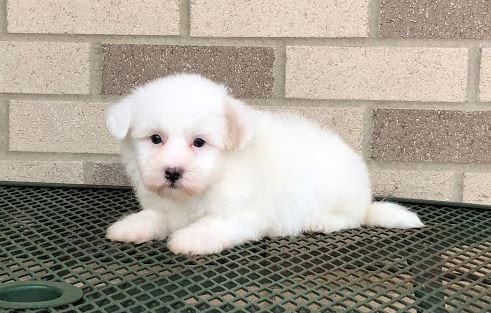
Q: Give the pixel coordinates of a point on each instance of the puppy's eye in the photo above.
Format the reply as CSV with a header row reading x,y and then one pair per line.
x,y
156,139
198,142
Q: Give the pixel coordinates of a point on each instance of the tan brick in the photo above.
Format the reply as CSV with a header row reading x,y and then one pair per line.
x,y
485,81
59,127
44,67
413,184
278,18
129,17
347,122
377,73
477,188
69,172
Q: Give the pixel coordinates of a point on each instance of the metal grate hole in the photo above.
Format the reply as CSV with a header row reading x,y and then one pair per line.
x,y
53,233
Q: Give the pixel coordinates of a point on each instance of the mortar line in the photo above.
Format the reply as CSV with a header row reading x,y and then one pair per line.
x,y
376,104
87,171
4,126
8,105
3,16
458,187
185,18
95,65
473,69
373,18
367,132
453,106
279,72
286,102
249,41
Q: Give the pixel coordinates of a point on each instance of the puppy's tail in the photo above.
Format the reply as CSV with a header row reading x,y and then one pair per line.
x,y
391,215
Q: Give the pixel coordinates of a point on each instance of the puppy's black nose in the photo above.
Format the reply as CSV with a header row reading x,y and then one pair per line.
x,y
172,174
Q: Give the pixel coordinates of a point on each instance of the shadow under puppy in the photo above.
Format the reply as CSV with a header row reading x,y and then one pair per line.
x,y
211,172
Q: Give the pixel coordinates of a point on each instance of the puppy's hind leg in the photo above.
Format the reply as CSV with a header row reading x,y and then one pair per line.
x,y
211,235
139,227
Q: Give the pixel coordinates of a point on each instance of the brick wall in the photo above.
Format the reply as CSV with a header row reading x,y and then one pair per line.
x,y
406,83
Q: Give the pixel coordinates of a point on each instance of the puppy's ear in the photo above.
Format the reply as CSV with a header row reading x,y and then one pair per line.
x,y
118,118
240,124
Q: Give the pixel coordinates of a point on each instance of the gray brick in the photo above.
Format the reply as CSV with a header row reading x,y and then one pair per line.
x,y
432,136
101,173
248,71
435,19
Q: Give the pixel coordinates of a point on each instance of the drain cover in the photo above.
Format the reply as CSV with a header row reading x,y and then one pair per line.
x,y
37,294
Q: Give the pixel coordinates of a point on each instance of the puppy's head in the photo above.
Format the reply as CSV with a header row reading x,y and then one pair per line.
x,y
178,128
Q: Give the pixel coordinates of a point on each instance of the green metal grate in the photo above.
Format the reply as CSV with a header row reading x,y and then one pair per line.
x,y
58,234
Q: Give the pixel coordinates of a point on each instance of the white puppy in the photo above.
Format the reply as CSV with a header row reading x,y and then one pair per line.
x,y
211,173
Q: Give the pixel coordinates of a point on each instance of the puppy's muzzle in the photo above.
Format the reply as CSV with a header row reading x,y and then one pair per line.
x,y
173,174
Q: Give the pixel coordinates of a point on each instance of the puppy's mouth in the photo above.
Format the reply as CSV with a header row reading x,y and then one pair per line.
x,y
174,191
166,187
177,188
174,186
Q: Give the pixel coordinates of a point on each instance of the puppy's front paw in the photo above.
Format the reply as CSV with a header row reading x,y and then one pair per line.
x,y
135,228
125,232
196,241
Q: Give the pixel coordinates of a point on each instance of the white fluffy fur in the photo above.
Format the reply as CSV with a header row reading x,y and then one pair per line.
x,y
259,174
